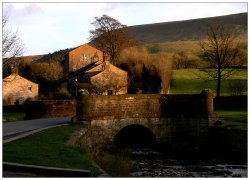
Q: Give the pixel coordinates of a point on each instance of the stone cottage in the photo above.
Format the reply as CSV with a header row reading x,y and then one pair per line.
x,y
17,89
107,79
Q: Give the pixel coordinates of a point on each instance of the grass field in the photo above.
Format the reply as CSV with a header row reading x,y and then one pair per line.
x,y
49,148
187,81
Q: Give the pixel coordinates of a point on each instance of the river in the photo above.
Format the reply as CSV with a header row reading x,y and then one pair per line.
x,y
152,163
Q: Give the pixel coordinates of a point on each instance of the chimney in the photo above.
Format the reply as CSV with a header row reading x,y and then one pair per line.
x,y
13,69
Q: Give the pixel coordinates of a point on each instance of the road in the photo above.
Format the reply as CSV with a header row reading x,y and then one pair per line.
x,y
14,129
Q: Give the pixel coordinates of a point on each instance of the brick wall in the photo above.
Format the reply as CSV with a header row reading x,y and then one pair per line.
x,y
50,109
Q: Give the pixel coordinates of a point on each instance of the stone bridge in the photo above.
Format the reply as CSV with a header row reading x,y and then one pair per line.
x,y
122,120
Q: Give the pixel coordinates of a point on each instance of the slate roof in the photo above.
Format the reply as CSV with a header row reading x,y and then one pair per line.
x,y
83,69
15,78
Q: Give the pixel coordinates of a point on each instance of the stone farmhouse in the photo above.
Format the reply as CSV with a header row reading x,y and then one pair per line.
x,y
17,89
87,66
81,56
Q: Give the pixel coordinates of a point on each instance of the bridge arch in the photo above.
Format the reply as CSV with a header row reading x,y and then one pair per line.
x,y
134,135
107,132
148,124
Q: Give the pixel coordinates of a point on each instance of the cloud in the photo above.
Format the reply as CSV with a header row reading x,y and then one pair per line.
x,y
32,9
22,9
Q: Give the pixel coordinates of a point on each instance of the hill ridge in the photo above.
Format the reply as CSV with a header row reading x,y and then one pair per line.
x,y
192,29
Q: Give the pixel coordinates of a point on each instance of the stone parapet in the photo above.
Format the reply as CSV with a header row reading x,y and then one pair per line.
x,y
92,107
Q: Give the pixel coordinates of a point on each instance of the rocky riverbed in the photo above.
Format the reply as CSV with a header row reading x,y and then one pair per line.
x,y
149,163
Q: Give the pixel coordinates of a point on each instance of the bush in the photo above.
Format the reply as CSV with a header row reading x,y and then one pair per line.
x,y
62,96
237,87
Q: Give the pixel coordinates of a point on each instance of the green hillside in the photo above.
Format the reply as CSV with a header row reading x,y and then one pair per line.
x,y
187,30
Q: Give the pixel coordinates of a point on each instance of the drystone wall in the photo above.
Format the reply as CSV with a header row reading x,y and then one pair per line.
x,y
144,105
50,109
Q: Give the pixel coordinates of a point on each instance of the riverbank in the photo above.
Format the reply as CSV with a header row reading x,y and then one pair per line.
x,y
224,155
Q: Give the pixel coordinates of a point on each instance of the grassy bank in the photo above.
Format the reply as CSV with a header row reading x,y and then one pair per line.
x,y
115,162
49,148
13,116
187,81
233,118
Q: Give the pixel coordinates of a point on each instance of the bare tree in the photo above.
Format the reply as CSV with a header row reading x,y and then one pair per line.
x,y
110,36
11,43
220,50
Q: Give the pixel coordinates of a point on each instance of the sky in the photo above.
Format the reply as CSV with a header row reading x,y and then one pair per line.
x,y
48,27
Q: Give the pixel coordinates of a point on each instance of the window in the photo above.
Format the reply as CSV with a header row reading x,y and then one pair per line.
x,y
86,56
30,88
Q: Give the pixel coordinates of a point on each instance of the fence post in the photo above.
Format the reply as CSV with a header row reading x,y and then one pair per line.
x,y
209,100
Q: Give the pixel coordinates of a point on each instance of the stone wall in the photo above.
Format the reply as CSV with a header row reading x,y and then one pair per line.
x,y
14,109
118,106
143,105
227,102
50,109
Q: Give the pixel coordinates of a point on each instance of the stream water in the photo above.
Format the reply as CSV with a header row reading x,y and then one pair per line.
x,y
152,163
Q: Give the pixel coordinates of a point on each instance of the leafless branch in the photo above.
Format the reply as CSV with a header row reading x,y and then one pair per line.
x,y
12,45
220,50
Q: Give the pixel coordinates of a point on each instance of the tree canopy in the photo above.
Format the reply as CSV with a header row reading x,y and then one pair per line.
x,y
110,36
